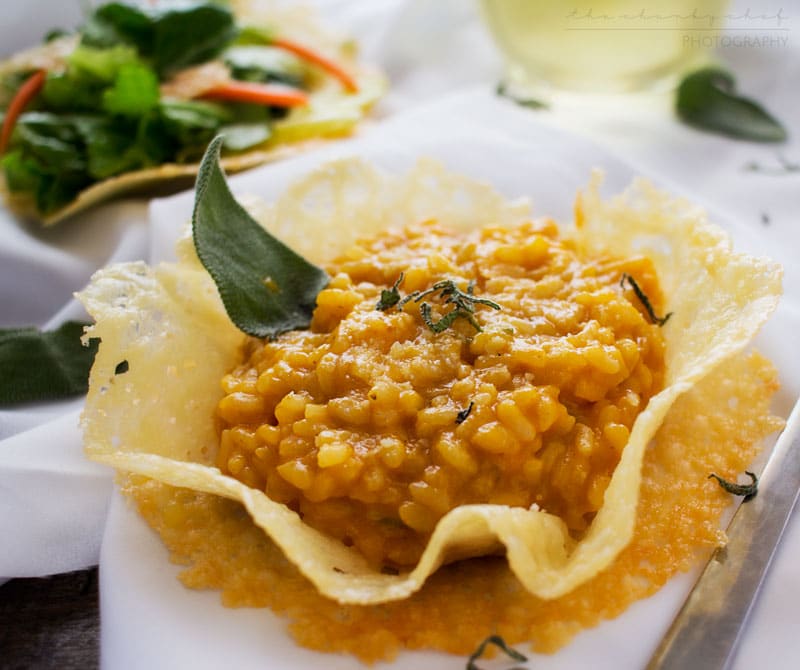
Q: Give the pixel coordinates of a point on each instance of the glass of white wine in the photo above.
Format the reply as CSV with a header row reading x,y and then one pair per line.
x,y
601,45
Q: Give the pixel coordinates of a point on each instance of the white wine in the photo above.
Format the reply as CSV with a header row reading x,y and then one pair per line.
x,y
601,45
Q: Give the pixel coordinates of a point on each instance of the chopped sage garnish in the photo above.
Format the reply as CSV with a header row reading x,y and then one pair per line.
x,y
785,166
707,100
391,296
660,320
462,415
122,368
267,288
501,644
463,304
51,365
447,320
746,490
531,103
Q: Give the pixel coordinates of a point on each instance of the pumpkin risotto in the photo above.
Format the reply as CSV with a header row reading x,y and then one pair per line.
x,y
373,426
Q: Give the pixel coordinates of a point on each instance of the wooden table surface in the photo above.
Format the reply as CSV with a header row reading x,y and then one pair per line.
x,y
51,622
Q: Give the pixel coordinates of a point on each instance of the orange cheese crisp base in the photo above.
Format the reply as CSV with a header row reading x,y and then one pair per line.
x,y
714,428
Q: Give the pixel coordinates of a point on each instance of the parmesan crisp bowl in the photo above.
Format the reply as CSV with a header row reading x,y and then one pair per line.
x,y
157,418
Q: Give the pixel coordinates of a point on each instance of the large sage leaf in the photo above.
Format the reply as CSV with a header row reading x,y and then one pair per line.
x,y
266,287
707,99
36,365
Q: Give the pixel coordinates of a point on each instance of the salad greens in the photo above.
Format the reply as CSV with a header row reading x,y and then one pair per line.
x,y
104,113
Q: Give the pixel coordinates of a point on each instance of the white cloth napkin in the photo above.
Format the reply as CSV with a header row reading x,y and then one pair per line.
x,y
53,502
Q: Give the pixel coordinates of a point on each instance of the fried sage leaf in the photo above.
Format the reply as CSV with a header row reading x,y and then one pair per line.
x,y
36,365
707,100
266,287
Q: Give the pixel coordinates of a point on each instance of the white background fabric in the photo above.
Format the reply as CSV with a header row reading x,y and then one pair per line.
x,y
53,504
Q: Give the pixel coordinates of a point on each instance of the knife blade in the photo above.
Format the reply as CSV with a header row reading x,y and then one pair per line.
x,y
706,632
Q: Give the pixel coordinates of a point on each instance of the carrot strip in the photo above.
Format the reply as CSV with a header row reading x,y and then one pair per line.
x,y
317,58
19,102
259,94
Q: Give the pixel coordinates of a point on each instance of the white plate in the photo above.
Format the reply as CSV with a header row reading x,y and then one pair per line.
x,y
150,621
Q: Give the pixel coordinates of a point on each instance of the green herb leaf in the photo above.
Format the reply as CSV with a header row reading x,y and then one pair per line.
x,y
191,123
498,642
48,160
242,136
170,37
264,63
390,296
71,91
37,365
22,174
784,167
112,145
115,23
531,103
266,287
660,320
463,304
462,415
447,320
134,92
102,63
746,490
52,140
255,35
707,100
189,34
